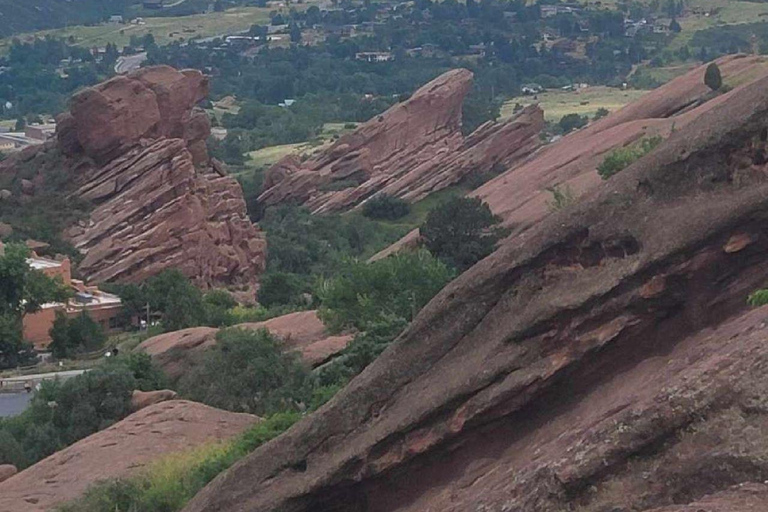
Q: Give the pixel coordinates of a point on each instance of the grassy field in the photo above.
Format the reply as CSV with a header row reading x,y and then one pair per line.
x,y
265,157
165,30
587,101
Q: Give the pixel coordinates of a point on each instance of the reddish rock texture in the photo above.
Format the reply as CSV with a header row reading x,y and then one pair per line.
x,y
411,150
302,332
135,149
520,195
122,450
141,399
608,363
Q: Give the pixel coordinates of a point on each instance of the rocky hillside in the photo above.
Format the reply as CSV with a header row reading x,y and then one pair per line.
x,y
608,363
119,451
411,150
134,149
522,196
302,331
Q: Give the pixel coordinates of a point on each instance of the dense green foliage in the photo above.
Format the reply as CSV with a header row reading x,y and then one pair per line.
x,y
570,122
384,207
461,232
79,334
366,294
63,412
758,298
22,291
712,77
621,158
247,371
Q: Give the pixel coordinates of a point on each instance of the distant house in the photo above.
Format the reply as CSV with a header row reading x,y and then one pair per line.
x,y
374,56
104,308
152,4
286,103
547,11
116,18
531,89
41,132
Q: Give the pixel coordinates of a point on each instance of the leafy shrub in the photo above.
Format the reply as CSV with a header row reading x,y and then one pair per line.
x,y
383,207
397,287
281,289
247,371
461,232
168,484
712,77
570,122
83,405
621,158
758,298
601,113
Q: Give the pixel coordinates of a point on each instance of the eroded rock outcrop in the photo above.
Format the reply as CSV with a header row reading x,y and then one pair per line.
x,y
605,360
121,450
134,149
522,196
411,150
302,332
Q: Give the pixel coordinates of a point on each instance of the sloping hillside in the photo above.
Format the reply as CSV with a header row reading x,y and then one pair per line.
x,y
17,17
610,362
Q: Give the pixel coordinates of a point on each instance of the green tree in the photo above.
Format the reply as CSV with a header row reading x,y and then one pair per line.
x,y
79,334
22,290
570,122
384,207
365,294
713,78
248,371
295,32
179,301
217,304
461,232
281,289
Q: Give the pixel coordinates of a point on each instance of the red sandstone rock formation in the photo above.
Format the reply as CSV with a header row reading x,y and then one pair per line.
x,y
135,149
302,332
607,361
141,399
122,450
411,150
520,195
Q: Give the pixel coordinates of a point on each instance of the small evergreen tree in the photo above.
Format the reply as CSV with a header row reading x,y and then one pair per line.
x,y
713,78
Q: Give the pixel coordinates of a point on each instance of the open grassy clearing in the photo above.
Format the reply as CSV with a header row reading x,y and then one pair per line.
x,y
557,103
164,30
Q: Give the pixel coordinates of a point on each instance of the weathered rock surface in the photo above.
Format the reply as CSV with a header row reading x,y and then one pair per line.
x,y
119,451
141,399
7,471
134,148
606,360
411,150
302,332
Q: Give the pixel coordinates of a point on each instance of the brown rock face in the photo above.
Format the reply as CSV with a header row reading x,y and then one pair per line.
x,y
142,399
7,471
121,450
604,361
303,332
136,149
413,149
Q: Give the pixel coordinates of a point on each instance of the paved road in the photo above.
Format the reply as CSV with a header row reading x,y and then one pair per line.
x,y
129,63
12,404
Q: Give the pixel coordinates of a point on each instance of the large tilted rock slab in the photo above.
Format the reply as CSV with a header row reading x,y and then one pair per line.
x,y
122,450
135,147
302,332
604,361
411,150
521,195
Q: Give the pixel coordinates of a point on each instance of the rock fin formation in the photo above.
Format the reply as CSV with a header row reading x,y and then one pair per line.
x,y
135,150
607,363
411,150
